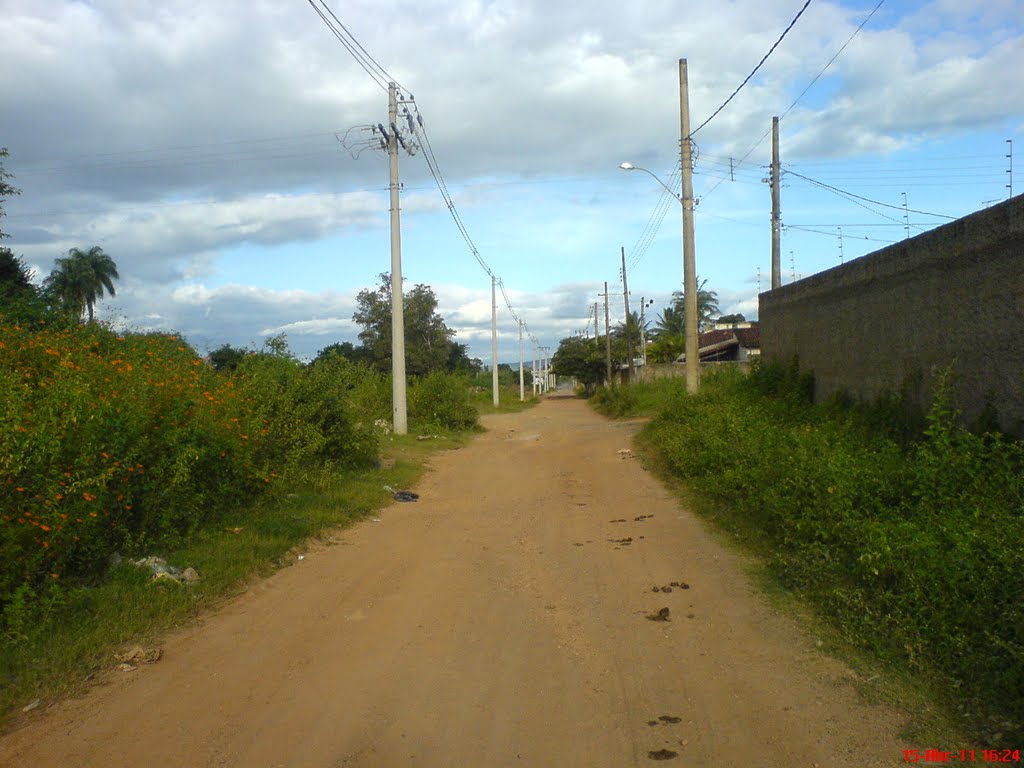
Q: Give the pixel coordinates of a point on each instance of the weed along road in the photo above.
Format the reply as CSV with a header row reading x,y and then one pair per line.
x,y
508,617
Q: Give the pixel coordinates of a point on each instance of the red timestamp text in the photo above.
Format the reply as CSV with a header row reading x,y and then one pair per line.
x,y
961,756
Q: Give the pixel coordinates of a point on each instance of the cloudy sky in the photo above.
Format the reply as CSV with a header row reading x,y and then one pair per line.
x,y
217,150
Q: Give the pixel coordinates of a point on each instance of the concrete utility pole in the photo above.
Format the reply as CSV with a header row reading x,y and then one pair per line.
x,y
607,337
522,391
643,336
776,221
689,258
597,335
625,296
398,399
533,370
494,339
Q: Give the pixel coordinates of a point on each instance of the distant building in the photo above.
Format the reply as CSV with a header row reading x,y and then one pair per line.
x,y
738,343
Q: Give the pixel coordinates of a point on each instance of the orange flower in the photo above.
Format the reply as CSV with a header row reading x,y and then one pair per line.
x,y
88,496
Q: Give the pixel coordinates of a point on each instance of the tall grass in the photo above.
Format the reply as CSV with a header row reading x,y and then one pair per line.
x,y
913,544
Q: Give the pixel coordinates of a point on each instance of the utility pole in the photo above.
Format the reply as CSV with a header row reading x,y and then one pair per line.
x,y
533,369
625,296
494,339
840,244
522,392
398,398
607,338
597,335
1009,157
643,336
906,215
689,258
776,221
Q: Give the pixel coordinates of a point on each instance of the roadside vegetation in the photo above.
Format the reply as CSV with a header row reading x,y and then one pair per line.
x,y
121,446
906,533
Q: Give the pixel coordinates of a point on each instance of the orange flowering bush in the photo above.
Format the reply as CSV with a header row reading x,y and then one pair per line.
x,y
120,442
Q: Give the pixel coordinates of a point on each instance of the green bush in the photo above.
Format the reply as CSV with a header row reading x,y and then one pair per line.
x,y
442,401
126,442
915,546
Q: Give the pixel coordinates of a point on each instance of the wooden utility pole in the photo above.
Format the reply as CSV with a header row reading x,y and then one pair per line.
x,y
625,296
398,398
689,259
607,338
776,221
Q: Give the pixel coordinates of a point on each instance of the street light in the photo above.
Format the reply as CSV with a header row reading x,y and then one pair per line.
x,y
689,281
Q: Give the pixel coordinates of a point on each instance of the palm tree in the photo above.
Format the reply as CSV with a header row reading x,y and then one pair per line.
x,y
672,321
80,279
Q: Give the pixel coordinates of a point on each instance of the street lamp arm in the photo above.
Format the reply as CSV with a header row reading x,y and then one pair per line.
x,y
631,167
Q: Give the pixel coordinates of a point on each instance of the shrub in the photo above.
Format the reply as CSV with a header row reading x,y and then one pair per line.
x,y
913,546
125,442
443,401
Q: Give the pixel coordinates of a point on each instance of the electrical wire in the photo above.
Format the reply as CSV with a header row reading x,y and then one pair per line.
x,y
764,136
753,71
830,61
381,76
844,193
368,66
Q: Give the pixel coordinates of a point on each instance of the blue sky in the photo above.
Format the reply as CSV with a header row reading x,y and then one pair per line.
x,y
200,145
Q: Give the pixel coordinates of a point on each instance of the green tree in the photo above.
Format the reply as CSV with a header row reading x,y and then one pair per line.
x,y
227,358
581,358
731,319
429,344
80,279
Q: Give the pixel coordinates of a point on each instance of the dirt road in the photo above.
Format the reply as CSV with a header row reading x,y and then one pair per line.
x,y
501,620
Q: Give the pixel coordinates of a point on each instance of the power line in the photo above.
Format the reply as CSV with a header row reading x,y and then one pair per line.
x,y
753,71
867,199
802,93
374,70
830,61
381,76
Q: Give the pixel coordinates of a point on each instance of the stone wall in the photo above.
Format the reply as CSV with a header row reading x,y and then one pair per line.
x,y
887,322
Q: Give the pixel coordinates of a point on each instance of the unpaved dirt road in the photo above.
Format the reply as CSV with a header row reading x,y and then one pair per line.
x,y
496,622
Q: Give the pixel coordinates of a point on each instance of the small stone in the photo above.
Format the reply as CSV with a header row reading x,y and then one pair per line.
x,y
190,576
30,706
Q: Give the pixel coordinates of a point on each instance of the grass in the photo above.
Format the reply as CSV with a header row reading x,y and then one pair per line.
x,y
907,545
875,681
508,399
88,625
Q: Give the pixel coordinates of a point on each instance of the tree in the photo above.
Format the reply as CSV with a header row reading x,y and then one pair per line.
x,y
582,359
429,344
80,279
347,350
731,319
227,358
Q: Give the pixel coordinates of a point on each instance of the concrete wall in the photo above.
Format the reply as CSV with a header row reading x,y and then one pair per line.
x,y
888,321
653,371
